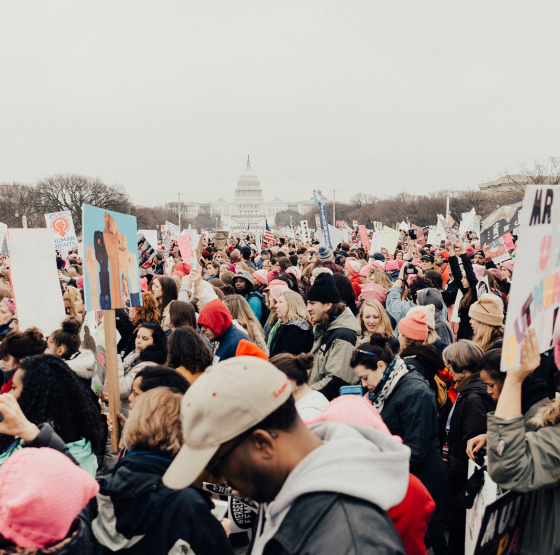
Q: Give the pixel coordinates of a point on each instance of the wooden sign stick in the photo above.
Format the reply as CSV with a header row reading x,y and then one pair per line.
x,y
111,354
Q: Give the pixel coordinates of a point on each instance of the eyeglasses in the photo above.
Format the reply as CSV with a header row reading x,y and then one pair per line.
x,y
215,463
358,352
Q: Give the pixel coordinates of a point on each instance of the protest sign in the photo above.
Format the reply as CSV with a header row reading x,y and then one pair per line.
x,y
390,238
455,314
497,251
376,241
534,298
446,226
185,246
432,237
145,251
364,238
221,239
62,227
151,236
171,231
404,226
111,277
336,236
306,238
508,241
37,294
467,221
499,533
504,219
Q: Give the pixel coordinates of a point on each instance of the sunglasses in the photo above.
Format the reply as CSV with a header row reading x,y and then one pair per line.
x,y
358,352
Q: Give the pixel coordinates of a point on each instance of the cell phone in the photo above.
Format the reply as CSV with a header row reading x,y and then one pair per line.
x,y
350,390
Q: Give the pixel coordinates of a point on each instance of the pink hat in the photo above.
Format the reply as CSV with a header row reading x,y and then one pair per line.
x,y
10,304
182,267
230,266
42,493
274,282
261,276
373,291
429,310
356,410
353,266
80,282
364,272
378,264
277,290
508,265
143,284
496,273
295,271
391,265
479,271
414,326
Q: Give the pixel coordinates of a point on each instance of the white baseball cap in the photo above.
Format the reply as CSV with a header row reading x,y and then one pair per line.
x,y
227,400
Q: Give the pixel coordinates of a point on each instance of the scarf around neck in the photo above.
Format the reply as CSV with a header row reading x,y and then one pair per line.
x,y
393,373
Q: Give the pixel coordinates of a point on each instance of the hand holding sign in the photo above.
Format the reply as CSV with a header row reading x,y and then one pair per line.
x,y
447,229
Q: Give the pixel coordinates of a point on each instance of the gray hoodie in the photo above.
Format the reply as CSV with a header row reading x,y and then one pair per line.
x,y
354,460
433,296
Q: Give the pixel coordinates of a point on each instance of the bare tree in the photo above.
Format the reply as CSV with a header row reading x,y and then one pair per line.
x,y
16,201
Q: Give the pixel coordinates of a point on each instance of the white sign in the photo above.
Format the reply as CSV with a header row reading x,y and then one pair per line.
x,y
450,234
171,231
3,231
37,294
376,241
534,299
151,236
455,314
62,227
305,232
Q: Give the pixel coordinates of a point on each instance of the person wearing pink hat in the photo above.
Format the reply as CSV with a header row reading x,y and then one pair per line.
x,y
408,408
507,269
352,269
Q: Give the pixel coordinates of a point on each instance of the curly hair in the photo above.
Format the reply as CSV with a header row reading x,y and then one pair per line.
x,y
157,352
53,393
149,311
21,344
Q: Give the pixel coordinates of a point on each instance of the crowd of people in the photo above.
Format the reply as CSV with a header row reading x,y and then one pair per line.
x,y
330,388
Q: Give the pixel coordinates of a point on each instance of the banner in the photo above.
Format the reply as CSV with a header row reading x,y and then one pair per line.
x,y
111,276
364,238
145,251
221,239
62,227
534,297
390,239
324,221
504,219
37,293
497,251
449,233
306,238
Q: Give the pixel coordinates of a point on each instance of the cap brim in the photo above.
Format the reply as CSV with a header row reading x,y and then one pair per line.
x,y
187,466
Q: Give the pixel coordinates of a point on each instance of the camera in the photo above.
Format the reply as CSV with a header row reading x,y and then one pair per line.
x,y
410,269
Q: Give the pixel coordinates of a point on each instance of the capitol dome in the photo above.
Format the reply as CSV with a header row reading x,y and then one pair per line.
x,y
248,185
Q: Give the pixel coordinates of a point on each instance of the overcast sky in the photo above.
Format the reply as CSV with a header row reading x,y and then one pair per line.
x,y
362,96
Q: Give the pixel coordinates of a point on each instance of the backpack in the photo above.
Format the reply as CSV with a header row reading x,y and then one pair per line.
x,y
265,311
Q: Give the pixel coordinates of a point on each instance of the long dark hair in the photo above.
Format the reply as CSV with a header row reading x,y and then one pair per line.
x,y
187,348
182,314
53,393
168,291
158,351
346,292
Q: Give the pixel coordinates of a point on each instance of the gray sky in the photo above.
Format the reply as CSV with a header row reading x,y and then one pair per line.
x,y
362,96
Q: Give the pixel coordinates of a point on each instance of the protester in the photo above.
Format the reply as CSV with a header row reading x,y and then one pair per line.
x,y
294,472
335,334
7,314
309,403
179,314
243,316
487,318
164,290
467,419
408,408
148,312
49,393
326,259
431,296
373,318
295,333
133,511
352,269
243,284
188,353
346,292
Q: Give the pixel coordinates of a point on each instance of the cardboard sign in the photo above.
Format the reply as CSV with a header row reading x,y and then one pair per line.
x,y
62,227
500,528
364,238
111,276
534,299
37,293
449,233
306,237
145,251
221,239
497,251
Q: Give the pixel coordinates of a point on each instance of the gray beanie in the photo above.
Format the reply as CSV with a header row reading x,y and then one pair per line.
x,y
325,254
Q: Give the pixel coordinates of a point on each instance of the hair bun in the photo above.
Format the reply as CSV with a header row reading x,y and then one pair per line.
x,y
305,361
379,339
71,325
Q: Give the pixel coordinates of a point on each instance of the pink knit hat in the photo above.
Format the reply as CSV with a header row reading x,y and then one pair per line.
x,y
373,291
496,273
353,266
261,276
42,493
429,310
80,281
378,264
295,271
391,265
356,410
508,265
277,290
479,271
414,326
364,272
10,304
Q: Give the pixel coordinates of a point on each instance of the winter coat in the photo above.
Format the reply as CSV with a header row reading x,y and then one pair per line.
x,y
467,421
294,337
396,306
228,343
83,363
433,296
135,513
410,412
356,282
322,509
528,462
333,347
534,395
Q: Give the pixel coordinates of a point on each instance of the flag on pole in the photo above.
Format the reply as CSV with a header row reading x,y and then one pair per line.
x,y
268,235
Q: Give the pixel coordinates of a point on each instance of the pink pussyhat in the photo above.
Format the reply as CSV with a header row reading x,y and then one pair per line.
x,y
10,304
42,493
353,409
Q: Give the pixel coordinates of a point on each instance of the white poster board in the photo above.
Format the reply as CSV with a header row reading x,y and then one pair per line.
x,y
449,233
534,299
37,293
62,228
305,232
151,236
390,238
376,241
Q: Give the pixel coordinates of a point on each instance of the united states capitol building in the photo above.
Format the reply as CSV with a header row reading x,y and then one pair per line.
x,y
248,209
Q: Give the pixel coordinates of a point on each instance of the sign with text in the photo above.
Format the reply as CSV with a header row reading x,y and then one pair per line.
x,y
497,251
145,251
305,236
504,219
364,238
534,299
63,230
449,233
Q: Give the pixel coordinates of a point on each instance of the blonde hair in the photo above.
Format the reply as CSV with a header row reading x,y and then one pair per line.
x,y
487,335
155,423
384,326
380,278
463,355
243,313
5,293
296,307
72,295
548,415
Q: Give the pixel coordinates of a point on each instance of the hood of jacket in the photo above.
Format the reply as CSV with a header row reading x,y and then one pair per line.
x,y
345,320
216,316
131,500
430,296
83,363
354,460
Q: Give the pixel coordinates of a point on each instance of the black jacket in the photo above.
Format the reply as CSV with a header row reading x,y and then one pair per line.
x,y
294,337
135,513
327,523
467,421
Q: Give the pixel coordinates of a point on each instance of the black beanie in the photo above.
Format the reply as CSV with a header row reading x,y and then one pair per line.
x,y
323,289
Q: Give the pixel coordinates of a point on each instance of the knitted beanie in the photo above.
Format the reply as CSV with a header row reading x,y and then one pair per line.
x,y
353,266
487,310
277,290
391,265
323,289
414,326
261,276
42,493
325,254
508,265
10,304
496,273
364,272
429,310
373,291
